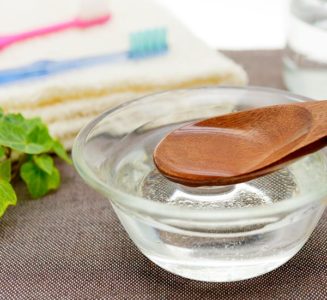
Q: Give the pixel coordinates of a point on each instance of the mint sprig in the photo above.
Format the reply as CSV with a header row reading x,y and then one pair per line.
x,y
26,150
8,196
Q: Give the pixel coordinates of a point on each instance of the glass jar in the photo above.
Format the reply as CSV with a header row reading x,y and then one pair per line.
x,y
305,56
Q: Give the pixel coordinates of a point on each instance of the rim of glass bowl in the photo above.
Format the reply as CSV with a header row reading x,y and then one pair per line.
x,y
145,206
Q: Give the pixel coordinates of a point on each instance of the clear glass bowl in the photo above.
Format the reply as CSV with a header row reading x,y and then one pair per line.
x,y
214,234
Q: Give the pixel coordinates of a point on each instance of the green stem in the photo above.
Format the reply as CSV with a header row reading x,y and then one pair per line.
x,y
8,152
16,166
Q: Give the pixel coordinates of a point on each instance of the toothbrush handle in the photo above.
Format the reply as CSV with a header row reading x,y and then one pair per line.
x,y
34,70
76,23
59,66
47,67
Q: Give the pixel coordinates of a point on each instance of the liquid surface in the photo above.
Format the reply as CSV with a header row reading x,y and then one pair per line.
x,y
130,168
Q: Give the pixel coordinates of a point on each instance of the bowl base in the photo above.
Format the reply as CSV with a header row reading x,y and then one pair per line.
x,y
223,271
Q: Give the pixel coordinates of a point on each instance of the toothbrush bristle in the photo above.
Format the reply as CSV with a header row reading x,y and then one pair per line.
x,y
90,9
148,43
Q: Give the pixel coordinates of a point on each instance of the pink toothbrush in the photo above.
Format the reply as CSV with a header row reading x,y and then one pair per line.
x,y
92,13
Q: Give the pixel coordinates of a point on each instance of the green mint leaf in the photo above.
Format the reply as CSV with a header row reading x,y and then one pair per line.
x,y
39,182
38,140
59,149
22,136
53,180
13,118
25,135
44,162
7,196
34,178
5,170
2,152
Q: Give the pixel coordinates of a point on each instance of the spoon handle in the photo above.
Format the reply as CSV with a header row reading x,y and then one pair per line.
x,y
318,110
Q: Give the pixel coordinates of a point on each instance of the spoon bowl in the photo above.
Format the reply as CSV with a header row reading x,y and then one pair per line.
x,y
240,146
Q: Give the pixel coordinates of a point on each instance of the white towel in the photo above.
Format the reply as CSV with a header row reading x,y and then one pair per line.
x,y
66,101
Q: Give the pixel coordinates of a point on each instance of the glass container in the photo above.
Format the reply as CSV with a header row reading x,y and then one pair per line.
x,y
216,234
305,56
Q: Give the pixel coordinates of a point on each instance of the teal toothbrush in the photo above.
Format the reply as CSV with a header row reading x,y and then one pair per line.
x,y
145,44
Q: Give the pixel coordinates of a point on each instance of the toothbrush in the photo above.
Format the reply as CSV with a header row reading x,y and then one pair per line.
x,y
92,13
145,44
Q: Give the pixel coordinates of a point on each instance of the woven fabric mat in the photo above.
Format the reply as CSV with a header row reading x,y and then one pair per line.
x,y
70,245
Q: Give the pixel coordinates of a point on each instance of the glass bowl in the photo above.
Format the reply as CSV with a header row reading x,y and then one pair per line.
x,y
214,234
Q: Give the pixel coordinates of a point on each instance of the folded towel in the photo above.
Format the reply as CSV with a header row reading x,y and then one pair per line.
x,y
67,101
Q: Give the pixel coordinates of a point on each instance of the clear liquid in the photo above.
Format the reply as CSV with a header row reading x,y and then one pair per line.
x,y
305,59
131,169
212,253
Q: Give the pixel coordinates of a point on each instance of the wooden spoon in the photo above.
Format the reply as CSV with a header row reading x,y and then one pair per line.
x,y
241,146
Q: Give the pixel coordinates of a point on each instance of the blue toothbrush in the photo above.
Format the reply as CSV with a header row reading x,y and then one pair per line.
x,y
143,45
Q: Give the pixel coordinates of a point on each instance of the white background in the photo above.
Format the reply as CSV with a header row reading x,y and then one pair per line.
x,y
234,24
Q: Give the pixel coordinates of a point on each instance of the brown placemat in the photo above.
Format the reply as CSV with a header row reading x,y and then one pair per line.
x,y
70,245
